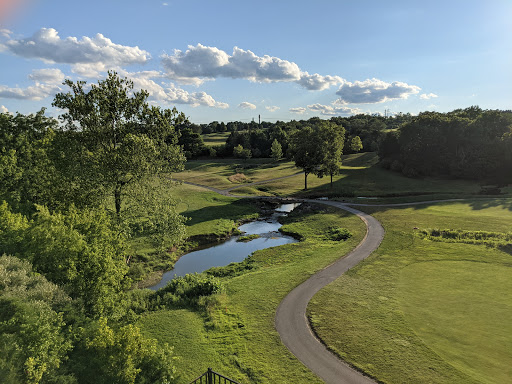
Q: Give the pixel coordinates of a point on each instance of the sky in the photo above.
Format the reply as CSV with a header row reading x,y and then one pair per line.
x,y
280,60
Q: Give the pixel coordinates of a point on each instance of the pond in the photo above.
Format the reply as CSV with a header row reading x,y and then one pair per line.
x,y
232,250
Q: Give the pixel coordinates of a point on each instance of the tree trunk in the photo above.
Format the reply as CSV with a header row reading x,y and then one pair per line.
x,y
305,181
331,180
117,197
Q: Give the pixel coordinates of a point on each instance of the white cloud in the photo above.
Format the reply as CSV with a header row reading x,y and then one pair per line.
x,y
168,92
47,45
298,110
5,33
335,109
165,4
48,75
246,105
47,83
374,91
317,82
427,96
3,109
200,63
272,108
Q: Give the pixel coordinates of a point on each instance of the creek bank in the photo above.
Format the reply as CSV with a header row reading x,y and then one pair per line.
x,y
264,233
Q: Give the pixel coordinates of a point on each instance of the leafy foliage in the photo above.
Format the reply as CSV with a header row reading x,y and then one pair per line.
x,y
338,234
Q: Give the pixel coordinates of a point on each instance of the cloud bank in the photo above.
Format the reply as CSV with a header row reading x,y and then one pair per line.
x,y
168,92
374,91
335,109
200,63
47,83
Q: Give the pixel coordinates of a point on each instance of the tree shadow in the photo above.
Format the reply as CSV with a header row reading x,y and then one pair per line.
x,y
229,211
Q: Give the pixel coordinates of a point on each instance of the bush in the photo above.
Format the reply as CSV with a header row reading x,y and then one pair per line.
x,y
188,290
338,234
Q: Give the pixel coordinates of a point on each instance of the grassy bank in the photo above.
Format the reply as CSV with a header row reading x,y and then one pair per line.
x,y
422,311
212,217
236,334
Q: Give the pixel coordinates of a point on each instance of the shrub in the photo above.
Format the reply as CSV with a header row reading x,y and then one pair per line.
x,y
338,234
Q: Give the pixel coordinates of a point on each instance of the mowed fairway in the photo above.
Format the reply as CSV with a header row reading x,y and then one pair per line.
x,y
419,311
360,176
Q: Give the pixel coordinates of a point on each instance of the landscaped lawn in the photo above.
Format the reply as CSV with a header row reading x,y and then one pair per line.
x,y
419,311
361,176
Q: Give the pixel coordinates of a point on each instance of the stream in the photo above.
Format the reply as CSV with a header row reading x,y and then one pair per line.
x,y
231,250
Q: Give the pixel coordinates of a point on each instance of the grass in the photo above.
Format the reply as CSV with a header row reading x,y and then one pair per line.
x,y
237,336
216,173
212,139
419,311
361,176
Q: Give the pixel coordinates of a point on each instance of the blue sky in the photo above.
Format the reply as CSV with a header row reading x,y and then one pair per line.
x,y
283,60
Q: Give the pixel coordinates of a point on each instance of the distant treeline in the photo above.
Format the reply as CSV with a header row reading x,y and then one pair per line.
x,y
258,138
466,143
469,143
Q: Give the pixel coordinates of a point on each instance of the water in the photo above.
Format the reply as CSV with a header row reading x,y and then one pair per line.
x,y
232,251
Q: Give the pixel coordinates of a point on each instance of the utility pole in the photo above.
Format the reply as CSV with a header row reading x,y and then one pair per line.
x,y
259,119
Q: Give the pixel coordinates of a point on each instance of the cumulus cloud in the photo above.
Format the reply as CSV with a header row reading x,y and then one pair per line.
x,y
318,82
374,91
47,45
48,75
298,110
427,96
5,33
335,109
199,63
3,109
168,92
272,108
246,105
47,83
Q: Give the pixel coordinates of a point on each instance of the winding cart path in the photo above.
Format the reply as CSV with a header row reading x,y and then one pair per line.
x,y
291,321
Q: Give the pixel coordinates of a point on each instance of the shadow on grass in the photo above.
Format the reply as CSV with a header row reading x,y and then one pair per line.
x,y
229,211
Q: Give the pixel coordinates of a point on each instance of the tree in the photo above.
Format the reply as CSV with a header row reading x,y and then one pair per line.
x,y
119,139
276,150
307,152
242,153
356,144
33,342
108,355
333,139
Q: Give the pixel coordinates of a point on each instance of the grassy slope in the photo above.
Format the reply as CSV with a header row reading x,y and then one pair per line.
x,y
211,139
426,312
360,176
239,338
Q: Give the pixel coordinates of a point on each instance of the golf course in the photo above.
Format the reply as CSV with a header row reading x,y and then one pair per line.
x,y
421,308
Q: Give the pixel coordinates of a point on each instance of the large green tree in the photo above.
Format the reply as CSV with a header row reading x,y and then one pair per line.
x,y
117,139
307,152
332,138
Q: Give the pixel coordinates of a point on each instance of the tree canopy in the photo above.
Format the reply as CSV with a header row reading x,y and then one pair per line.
x,y
118,138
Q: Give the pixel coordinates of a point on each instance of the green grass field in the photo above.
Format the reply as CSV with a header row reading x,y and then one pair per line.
x,y
361,176
419,311
212,139
238,338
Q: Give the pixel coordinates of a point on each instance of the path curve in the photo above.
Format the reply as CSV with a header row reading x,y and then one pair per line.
x,y
291,321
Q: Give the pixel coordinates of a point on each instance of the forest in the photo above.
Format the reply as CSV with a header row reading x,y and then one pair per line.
x,y
73,192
